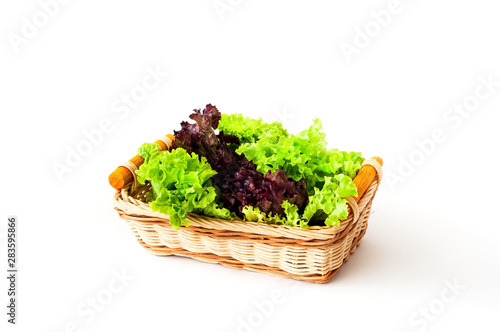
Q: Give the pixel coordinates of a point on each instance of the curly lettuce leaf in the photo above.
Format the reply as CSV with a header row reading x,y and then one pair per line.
x,y
255,214
291,213
249,130
180,182
302,156
215,210
291,217
329,202
147,150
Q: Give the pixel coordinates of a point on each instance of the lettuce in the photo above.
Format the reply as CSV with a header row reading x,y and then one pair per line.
x,y
272,177
255,214
326,206
292,214
147,150
180,183
237,179
328,203
215,210
249,130
302,156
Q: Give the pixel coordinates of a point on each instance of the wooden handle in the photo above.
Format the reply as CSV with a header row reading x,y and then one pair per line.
x,y
122,176
365,177
362,181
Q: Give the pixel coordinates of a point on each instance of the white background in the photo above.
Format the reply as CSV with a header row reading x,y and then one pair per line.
x,y
278,60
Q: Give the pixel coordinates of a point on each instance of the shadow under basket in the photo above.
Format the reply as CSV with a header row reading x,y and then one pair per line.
x,y
314,254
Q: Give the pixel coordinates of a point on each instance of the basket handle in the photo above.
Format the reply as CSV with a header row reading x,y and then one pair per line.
x,y
122,175
367,174
369,170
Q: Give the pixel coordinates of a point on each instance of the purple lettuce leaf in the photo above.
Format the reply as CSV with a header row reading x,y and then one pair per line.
x,y
237,178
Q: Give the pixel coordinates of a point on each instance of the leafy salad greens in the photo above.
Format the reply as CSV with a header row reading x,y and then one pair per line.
x,y
235,167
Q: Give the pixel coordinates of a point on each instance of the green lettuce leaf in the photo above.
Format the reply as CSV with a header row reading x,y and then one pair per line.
x,y
254,214
147,150
216,210
291,218
249,130
180,182
328,203
292,214
304,155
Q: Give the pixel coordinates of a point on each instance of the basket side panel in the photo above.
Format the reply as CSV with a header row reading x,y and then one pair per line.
x,y
297,260
305,259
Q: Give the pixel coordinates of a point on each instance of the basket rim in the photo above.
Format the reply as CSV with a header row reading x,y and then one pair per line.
x,y
130,208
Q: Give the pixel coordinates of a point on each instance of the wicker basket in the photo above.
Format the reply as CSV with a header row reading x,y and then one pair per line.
x,y
314,254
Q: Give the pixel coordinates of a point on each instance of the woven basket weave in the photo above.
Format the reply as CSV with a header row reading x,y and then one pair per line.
x,y
314,254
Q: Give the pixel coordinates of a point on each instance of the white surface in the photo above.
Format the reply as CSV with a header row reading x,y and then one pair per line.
x,y
264,57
